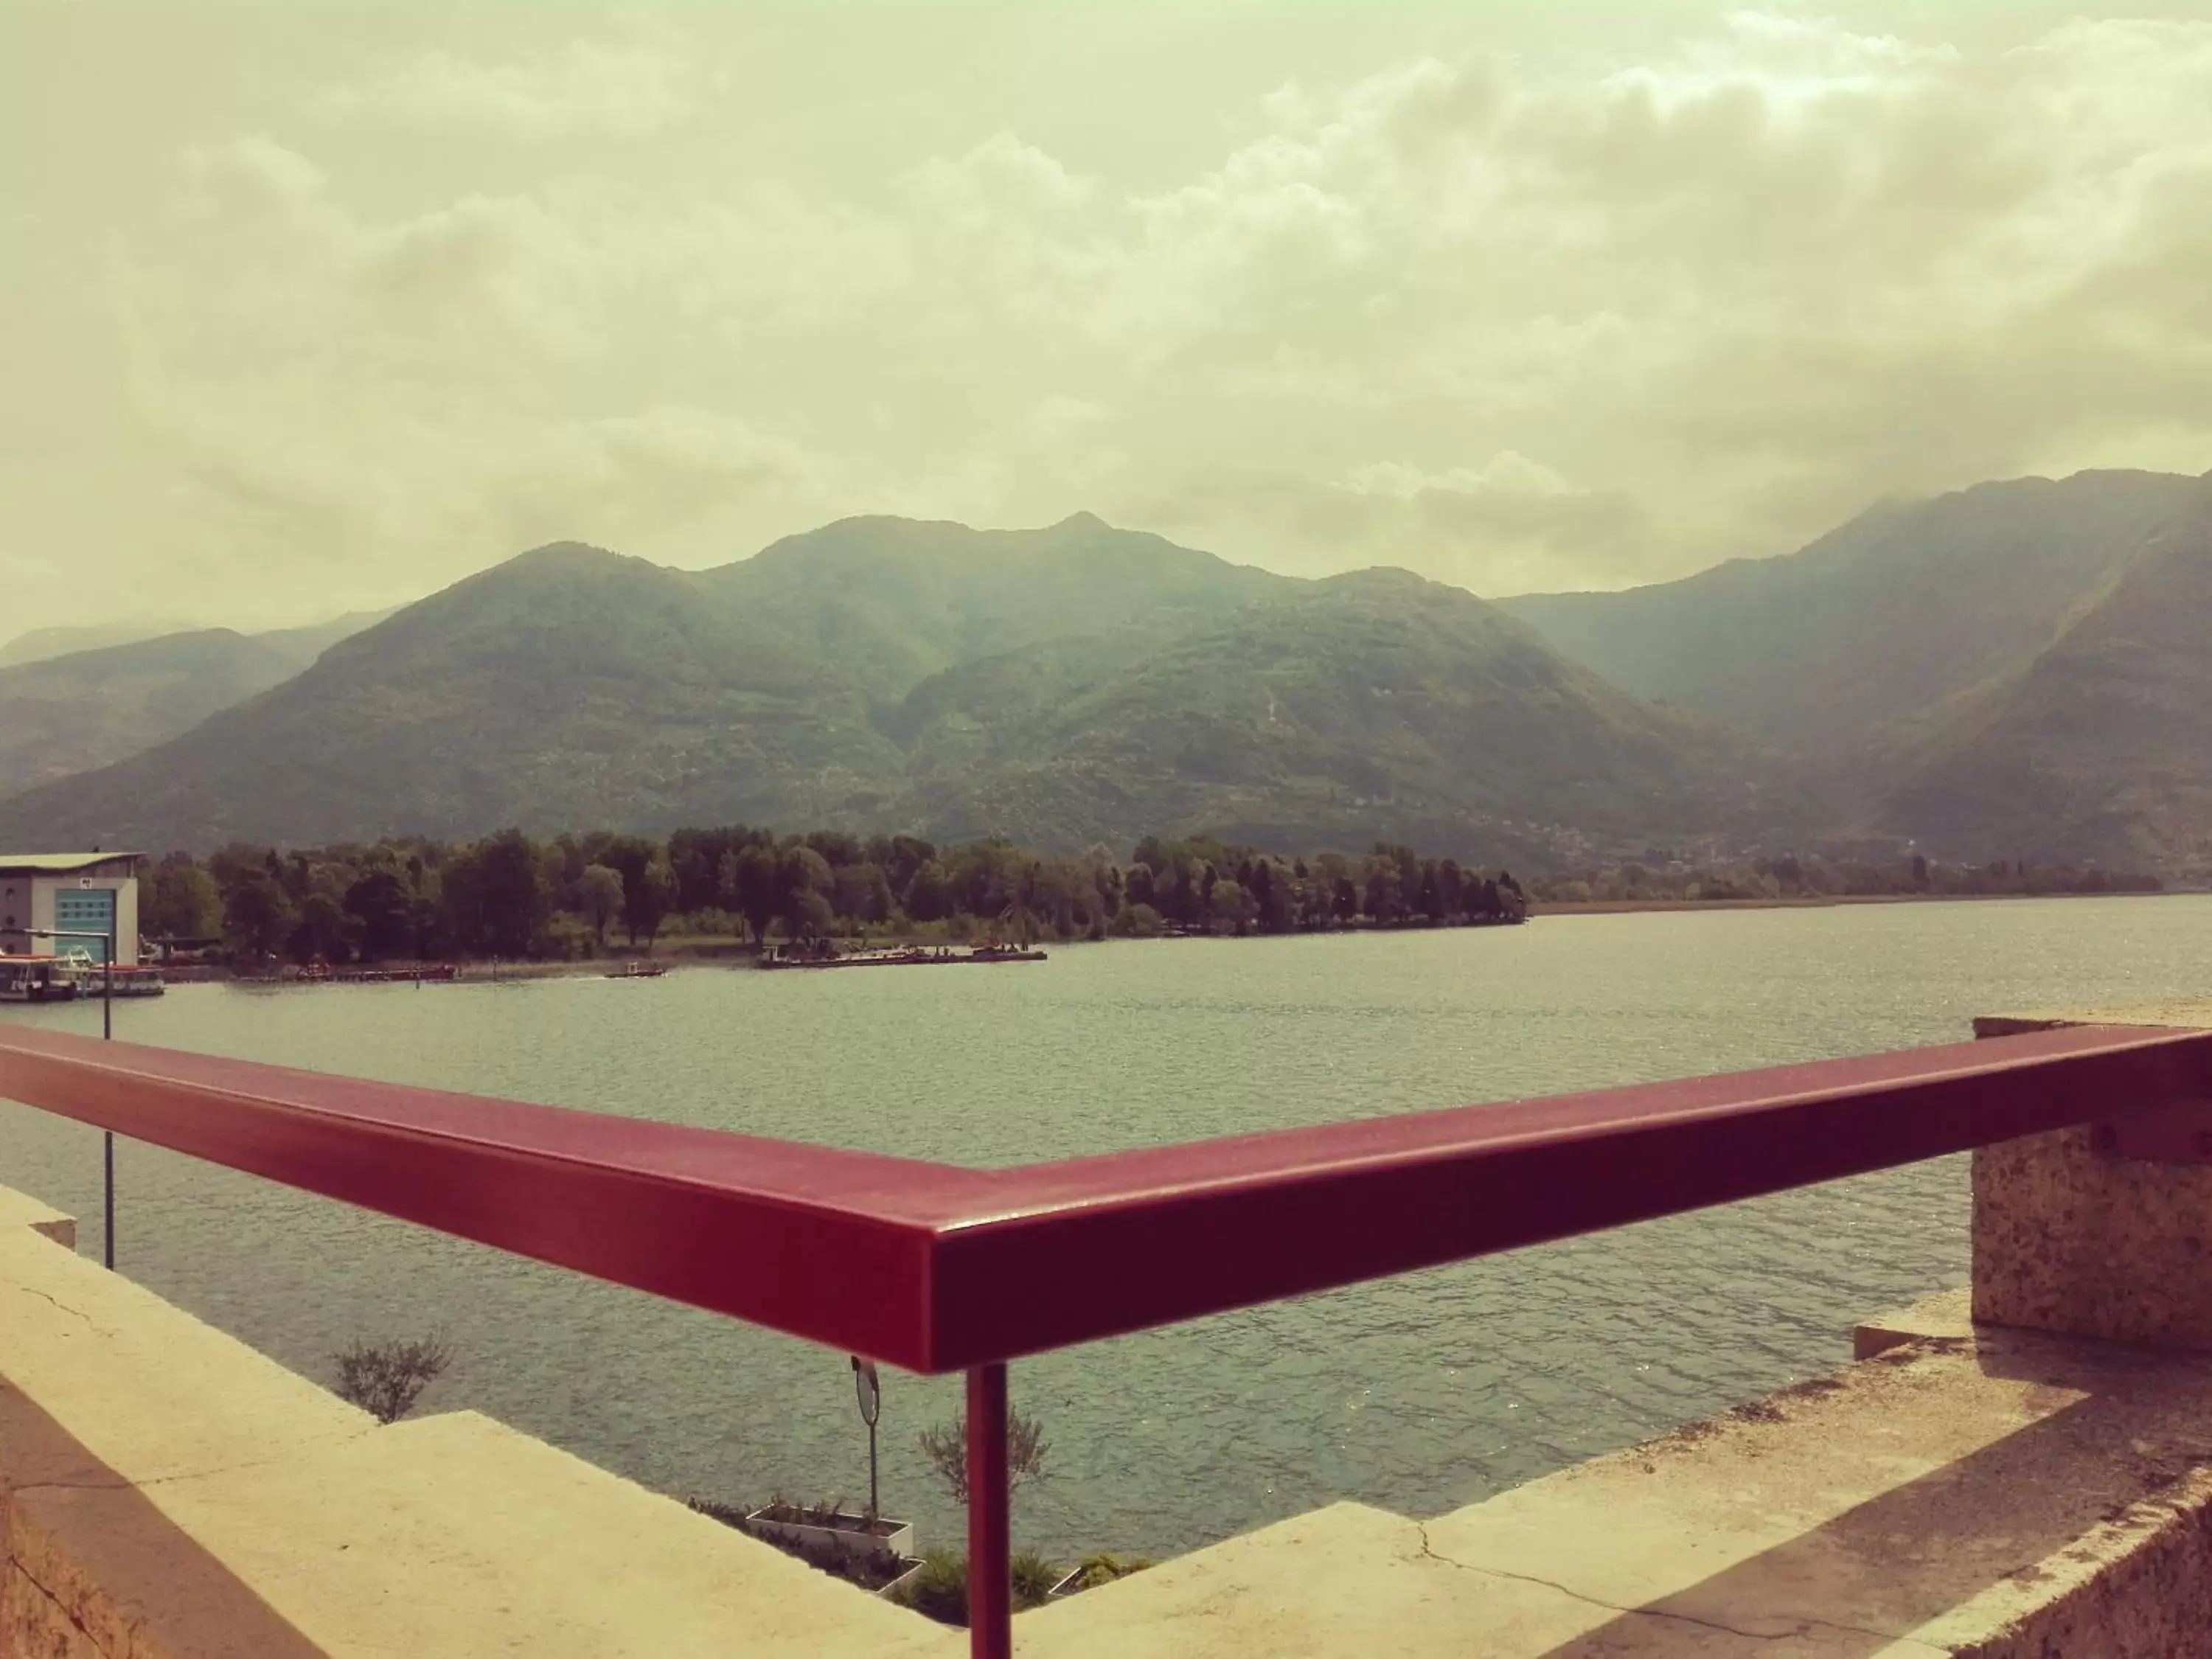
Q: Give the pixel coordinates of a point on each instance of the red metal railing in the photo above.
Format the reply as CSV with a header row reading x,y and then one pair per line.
x,y
936,1267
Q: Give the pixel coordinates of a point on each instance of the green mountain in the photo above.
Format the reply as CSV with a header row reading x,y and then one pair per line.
x,y
69,713
1059,685
83,709
2098,745
1877,621
1328,711
892,601
41,644
2013,670
567,687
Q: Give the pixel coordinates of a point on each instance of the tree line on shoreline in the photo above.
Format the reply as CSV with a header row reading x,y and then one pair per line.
x,y
1660,879
514,897
572,897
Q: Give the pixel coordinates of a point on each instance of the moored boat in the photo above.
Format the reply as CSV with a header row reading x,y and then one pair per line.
x,y
914,955
441,973
637,970
129,980
36,979
138,982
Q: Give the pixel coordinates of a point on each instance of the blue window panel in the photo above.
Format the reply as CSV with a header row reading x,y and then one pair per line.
x,y
85,910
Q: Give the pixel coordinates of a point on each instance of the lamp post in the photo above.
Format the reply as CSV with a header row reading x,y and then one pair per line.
x,y
106,942
870,1392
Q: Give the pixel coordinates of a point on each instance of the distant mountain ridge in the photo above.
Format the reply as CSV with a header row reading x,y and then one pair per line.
x,y
2102,742
2019,669
1986,673
1876,621
1065,685
1375,702
900,599
42,643
79,710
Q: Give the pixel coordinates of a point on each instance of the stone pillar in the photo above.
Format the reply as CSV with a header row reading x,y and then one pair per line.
x,y
2072,1235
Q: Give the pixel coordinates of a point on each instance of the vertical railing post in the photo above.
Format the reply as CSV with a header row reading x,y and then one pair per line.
x,y
108,1138
106,942
990,1531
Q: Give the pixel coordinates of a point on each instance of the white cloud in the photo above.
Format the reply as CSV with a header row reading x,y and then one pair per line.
x,y
586,87
1001,175
254,170
1507,472
1540,319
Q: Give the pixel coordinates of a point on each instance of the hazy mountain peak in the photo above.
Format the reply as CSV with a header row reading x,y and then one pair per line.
x,y
43,644
2017,667
2095,744
1880,619
567,555
1389,578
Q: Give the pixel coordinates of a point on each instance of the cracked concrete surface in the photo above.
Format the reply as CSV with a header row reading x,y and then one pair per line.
x,y
27,1605
1799,1631
32,1290
117,1483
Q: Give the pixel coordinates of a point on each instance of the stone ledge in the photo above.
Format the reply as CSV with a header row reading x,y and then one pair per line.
x,y
167,1493
2004,1496
1947,1315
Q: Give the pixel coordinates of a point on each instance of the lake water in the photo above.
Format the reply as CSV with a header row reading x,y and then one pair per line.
x,y
1416,1394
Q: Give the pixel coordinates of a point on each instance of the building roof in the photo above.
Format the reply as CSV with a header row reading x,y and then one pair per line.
x,y
58,864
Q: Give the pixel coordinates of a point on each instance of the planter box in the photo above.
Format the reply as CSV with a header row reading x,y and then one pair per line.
x,y
912,1565
846,1534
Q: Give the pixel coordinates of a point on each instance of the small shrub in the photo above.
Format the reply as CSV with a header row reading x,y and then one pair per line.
x,y
939,1590
1034,1578
385,1379
730,1515
563,938
1104,1568
945,1446
1140,921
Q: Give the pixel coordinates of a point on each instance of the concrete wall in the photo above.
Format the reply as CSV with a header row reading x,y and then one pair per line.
x,y
18,904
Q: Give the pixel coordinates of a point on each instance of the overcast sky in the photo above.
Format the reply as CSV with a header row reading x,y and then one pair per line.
x,y
305,307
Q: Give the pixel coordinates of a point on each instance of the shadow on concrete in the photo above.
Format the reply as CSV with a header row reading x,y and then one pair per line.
x,y
59,1502
1877,1572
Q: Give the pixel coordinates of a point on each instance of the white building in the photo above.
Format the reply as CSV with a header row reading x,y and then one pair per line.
x,y
79,892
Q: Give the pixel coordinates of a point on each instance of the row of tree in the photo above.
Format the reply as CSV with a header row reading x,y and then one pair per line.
x,y
511,895
1660,879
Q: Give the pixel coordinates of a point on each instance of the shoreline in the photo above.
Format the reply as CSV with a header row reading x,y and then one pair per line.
x,y
696,950
1821,902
